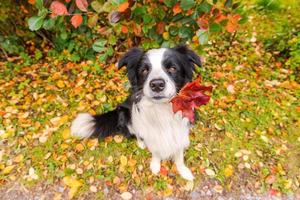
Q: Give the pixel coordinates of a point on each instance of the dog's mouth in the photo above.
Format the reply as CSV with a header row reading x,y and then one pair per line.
x,y
158,97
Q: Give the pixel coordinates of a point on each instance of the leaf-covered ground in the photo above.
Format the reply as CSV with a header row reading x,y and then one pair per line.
x,y
245,144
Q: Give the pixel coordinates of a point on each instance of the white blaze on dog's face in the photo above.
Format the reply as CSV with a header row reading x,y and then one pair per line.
x,y
159,86
159,73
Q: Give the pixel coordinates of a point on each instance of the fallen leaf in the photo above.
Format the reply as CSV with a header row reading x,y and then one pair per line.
x,y
79,147
19,158
8,169
123,161
126,195
93,188
228,171
210,172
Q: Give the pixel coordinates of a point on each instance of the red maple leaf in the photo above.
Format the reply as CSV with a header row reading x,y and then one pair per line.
x,y
191,96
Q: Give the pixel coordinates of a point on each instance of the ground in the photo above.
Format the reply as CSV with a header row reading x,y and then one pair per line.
x,y
245,144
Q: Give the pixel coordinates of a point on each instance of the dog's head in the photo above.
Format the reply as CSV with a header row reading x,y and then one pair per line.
x,y
159,73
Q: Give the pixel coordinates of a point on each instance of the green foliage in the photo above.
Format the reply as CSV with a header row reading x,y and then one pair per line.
x,y
120,24
269,5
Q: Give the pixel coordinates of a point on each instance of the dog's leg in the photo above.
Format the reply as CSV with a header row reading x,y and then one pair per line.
x,y
155,164
182,169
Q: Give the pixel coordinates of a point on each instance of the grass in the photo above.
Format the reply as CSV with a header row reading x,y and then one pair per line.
x,y
248,135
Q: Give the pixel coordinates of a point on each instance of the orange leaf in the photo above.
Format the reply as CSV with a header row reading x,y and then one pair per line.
x,y
124,29
82,5
163,171
176,8
203,23
76,20
123,6
232,24
32,2
68,1
137,29
160,28
58,8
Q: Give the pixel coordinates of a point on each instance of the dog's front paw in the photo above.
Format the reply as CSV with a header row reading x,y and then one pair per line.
x,y
186,173
155,166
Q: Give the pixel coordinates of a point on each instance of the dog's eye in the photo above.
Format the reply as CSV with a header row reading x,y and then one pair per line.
x,y
145,71
172,69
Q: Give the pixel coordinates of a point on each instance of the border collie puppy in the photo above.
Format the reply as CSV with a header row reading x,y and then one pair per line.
x,y
156,76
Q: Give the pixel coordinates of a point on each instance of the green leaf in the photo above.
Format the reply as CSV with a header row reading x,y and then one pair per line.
x,y
39,4
228,3
170,3
64,35
185,32
214,27
187,4
35,22
173,30
110,51
203,36
204,7
97,6
99,45
49,23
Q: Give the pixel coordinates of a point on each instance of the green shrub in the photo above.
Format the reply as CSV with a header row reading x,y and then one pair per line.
x,y
81,26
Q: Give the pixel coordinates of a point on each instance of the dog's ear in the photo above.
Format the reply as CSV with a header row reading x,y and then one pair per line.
x,y
131,60
191,55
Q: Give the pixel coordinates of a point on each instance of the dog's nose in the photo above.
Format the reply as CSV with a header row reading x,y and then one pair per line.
x,y
157,85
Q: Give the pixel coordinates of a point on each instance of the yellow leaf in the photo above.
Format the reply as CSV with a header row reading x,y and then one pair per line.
x,y
79,147
131,162
71,182
8,169
19,158
123,161
72,192
60,84
228,171
66,133
118,138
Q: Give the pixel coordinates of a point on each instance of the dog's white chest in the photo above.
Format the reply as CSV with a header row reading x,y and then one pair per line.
x,y
163,132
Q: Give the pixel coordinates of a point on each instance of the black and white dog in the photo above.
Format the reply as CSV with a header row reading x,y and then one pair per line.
x,y
155,77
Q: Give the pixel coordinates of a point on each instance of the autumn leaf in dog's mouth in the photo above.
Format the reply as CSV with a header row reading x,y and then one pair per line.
x,y
191,96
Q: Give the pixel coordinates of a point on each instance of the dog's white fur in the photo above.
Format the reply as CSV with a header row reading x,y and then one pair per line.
x,y
164,133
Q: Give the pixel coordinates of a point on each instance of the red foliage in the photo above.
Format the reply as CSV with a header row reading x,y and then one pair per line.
x,y
58,8
191,96
82,5
76,20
